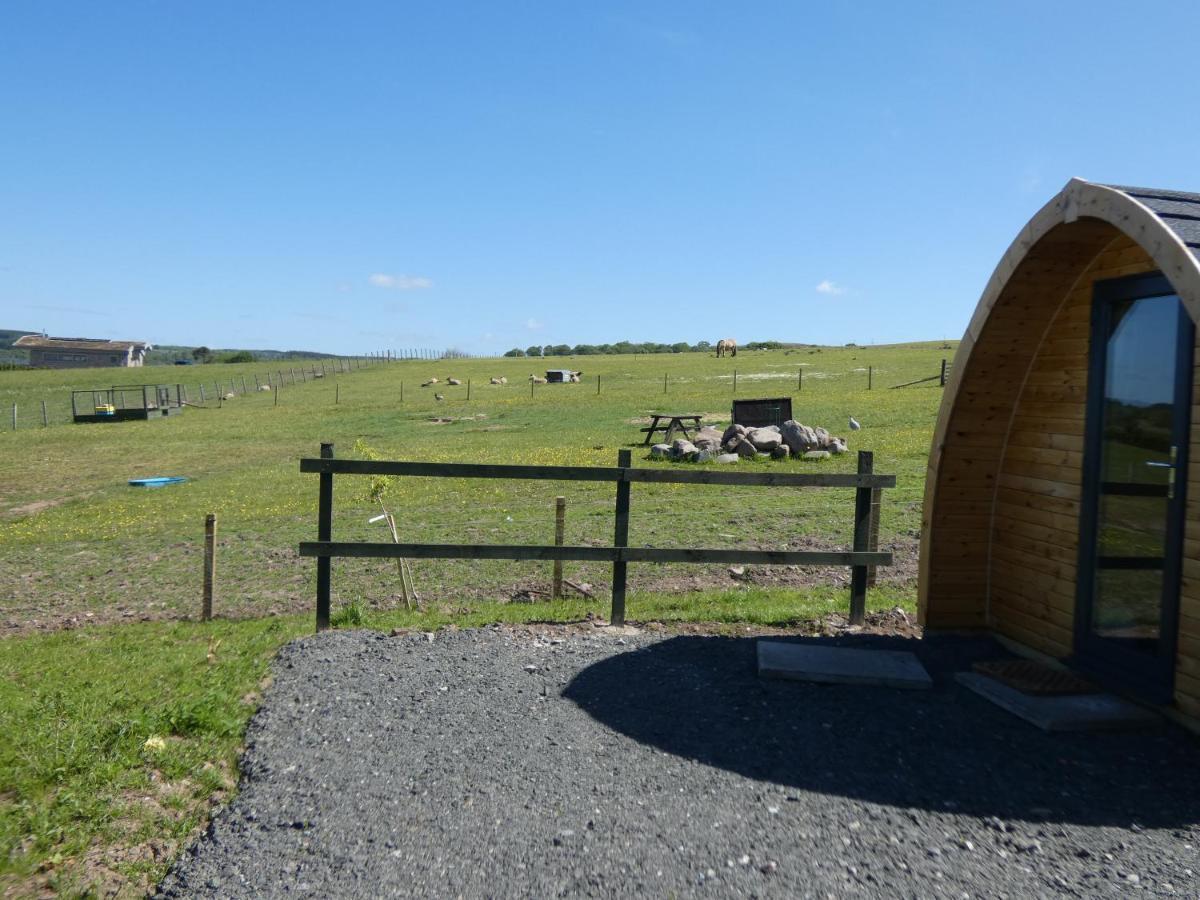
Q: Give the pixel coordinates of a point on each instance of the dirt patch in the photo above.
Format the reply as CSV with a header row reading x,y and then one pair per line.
x,y
31,509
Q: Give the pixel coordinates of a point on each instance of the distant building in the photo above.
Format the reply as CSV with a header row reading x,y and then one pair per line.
x,y
81,353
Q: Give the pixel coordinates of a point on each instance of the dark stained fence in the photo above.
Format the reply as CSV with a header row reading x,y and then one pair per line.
x,y
859,559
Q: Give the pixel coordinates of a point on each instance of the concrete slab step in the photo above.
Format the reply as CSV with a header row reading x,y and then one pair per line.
x,y
1078,712
841,665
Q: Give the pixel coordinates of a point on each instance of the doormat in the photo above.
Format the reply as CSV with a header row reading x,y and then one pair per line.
x,y
1030,677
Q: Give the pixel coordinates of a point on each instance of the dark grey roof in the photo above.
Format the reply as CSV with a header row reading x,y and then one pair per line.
x,y
1179,211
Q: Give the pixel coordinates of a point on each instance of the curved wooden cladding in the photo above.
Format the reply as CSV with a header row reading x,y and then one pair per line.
x,y
1024,352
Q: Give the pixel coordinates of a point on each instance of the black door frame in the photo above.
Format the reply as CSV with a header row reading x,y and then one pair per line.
x,y
1153,676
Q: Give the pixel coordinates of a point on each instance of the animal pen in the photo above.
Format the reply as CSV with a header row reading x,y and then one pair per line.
x,y
1061,504
861,559
123,402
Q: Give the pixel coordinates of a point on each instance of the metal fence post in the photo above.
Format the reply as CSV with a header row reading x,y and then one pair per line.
x,y
324,533
620,539
862,540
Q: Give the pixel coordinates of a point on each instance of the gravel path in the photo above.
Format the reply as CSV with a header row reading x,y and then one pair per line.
x,y
555,762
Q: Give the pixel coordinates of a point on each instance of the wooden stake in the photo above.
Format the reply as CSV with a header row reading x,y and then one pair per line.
x,y
210,565
45,419
337,393
560,521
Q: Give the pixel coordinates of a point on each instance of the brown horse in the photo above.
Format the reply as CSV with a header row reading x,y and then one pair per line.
x,y
726,345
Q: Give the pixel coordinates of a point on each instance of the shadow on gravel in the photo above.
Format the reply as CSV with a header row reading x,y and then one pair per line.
x,y
699,697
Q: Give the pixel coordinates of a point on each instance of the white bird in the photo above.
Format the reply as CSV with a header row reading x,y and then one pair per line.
x,y
854,426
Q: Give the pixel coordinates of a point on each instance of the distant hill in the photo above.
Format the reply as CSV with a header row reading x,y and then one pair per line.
x,y
162,354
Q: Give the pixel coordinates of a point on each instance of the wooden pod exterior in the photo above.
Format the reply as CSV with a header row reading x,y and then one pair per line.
x,y
1000,540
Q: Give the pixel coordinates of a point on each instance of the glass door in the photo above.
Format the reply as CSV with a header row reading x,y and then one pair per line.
x,y
1135,473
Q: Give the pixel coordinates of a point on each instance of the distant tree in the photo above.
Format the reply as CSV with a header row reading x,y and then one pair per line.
x,y
702,347
515,351
242,356
533,351
201,354
681,347
557,350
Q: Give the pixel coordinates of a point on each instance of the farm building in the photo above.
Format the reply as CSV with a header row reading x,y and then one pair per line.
x,y
1059,509
80,353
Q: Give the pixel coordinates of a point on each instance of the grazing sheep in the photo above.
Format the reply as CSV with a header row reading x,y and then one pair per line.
x,y
431,381
575,377
536,379
453,381
498,381
438,397
264,387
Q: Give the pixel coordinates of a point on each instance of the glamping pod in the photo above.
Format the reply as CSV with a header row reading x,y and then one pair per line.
x,y
1060,511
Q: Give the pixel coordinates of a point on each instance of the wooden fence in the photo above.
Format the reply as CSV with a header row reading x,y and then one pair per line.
x,y
860,559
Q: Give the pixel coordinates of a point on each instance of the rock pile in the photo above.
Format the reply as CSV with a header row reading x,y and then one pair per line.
x,y
739,442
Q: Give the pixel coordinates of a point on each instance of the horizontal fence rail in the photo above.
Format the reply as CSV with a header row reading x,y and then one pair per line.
x,y
860,560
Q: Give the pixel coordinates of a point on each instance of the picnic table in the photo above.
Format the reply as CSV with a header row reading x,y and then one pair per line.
x,y
674,422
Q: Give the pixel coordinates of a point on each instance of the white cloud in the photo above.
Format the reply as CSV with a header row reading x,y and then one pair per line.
x,y
829,287
533,324
400,282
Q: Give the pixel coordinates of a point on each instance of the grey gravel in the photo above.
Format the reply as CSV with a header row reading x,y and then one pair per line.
x,y
500,763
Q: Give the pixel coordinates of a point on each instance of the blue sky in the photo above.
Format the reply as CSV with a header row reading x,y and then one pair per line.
x,y
356,176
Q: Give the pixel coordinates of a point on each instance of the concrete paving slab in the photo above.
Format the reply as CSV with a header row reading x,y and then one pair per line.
x,y
1080,712
841,665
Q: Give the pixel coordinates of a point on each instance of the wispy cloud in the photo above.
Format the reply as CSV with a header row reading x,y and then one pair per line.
x,y
533,324
830,287
400,282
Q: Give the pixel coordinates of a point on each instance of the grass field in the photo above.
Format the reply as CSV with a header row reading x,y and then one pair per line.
x,y
82,799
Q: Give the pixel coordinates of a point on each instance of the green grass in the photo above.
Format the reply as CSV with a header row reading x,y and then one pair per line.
x,y
78,544
83,802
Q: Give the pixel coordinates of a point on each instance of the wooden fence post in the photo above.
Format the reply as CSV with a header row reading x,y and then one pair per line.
x,y
870,376
14,417
210,566
799,380
862,540
324,533
45,418
337,393
468,388
942,377
664,382
560,523
203,399
597,385
735,381
620,539
873,541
